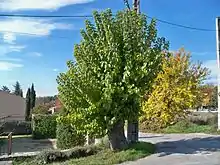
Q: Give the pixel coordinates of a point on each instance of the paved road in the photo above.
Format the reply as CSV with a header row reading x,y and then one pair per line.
x,y
182,149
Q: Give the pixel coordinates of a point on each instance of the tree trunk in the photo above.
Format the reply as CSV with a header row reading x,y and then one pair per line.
x,y
132,131
117,137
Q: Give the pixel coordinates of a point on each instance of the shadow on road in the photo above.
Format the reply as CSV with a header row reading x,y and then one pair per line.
x,y
189,146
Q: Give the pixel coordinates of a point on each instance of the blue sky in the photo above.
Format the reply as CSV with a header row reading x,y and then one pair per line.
x,y
39,58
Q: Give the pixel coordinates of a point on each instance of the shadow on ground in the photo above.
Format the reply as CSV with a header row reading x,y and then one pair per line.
x,y
203,145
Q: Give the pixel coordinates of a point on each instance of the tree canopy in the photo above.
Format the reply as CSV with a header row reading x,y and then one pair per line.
x,y
17,89
116,61
175,90
5,89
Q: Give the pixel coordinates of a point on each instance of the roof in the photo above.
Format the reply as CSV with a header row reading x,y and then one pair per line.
x,y
10,94
11,105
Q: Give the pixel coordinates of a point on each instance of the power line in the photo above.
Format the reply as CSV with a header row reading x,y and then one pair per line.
x,y
182,26
45,16
86,16
90,16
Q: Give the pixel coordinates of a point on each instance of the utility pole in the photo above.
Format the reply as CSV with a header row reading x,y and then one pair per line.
x,y
133,128
136,5
218,64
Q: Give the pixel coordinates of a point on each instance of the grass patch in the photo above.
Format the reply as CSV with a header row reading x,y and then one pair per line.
x,y
105,156
188,127
196,122
108,157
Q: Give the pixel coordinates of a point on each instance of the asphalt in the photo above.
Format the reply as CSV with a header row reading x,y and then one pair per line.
x,y
181,149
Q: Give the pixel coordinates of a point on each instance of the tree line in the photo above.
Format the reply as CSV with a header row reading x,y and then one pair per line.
x,y
17,89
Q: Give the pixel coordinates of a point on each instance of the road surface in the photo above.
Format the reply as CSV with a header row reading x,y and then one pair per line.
x,y
181,149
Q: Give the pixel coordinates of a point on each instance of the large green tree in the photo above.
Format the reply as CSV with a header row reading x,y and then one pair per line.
x,y
115,63
33,96
28,105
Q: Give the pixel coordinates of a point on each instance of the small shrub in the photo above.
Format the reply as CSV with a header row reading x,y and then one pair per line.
x,y
104,143
203,118
49,156
67,137
44,126
146,126
41,109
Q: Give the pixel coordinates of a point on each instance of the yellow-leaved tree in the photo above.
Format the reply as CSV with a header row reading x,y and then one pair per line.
x,y
175,90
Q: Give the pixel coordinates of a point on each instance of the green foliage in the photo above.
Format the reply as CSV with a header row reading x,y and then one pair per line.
x,y
214,98
196,122
116,62
202,118
28,105
67,136
186,126
5,89
45,100
44,126
91,155
175,89
17,89
32,96
40,109
104,142
56,156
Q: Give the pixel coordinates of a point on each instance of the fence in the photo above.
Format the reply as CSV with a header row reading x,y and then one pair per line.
x,y
5,141
6,145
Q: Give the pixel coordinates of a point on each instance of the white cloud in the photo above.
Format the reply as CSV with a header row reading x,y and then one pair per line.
x,y
14,5
212,66
7,66
29,27
5,49
11,59
35,54
9,38
55,70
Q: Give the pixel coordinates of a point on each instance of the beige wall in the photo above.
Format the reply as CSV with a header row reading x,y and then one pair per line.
x,y
12,105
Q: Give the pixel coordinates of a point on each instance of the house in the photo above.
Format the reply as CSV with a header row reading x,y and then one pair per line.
x,y
12,107
57,106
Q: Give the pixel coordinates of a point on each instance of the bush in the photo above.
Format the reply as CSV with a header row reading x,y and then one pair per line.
x,y
67,137
203,118
50,156
44,126
40,109
104,143
17,127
